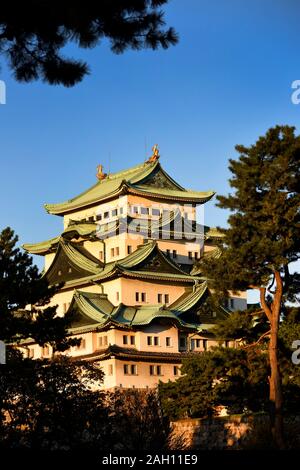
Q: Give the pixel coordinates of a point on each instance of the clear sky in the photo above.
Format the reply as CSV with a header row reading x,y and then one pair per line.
x,y
226,82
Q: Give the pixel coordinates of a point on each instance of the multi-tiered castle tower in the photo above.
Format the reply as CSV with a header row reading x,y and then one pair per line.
x,y
126,258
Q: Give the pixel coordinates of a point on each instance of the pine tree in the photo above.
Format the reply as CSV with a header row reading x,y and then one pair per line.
x,y
32,34
24,299
263,238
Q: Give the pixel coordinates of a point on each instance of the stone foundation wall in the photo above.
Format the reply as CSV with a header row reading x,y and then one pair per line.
x,y
227,432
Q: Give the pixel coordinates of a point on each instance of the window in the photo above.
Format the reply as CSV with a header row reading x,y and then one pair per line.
x,y
112,252
168,341
145,210
110,369
132,340
231,303
99,217
106,215
226,344
190,255
159,298
46,350
125,339
155,370
137,297
31,352
174,254
195,343
182,342
205,344
117,296
176,370
102,341
155,212
81,345
143,296
135,210
101,255
129,249
167,298
91,218
117,251
168,252
114,212
130,369
196,255
153,340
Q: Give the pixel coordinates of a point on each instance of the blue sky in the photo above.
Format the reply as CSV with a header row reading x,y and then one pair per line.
x,y
226,82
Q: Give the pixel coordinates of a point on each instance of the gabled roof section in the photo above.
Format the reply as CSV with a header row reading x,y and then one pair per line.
x,y
189,300
147,179
94,311
72,262
74,230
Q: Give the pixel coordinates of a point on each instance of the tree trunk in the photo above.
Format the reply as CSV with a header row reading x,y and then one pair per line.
x,y
276,398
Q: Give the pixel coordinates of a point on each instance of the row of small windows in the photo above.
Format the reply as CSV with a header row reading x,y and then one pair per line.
x,y
191,255
115,251
161,298
196,343
131,369
134,210
129,339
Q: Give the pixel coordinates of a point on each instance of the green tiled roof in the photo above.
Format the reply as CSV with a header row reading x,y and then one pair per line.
x,y
84,230
136,265
135,180
96,311
186,302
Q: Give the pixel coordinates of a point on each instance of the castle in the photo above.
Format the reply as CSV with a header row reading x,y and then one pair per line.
x,y
128,260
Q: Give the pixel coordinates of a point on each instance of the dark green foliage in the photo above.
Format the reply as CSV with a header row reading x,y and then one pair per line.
x,y
237,379
241,325
224,376
48,405
33,33
263,233
140,412
22,285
